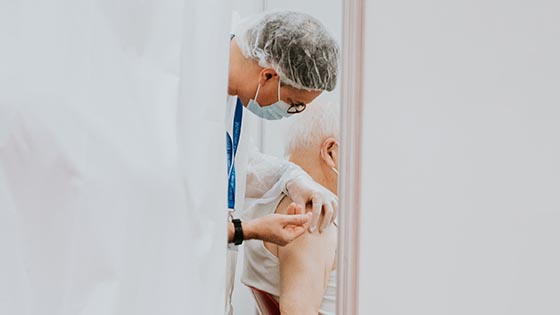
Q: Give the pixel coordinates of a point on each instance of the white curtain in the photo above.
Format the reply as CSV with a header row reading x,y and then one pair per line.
x,y
112,164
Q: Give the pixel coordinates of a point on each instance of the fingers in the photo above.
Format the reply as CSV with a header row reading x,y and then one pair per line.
x,y
296,219
323,213
317,204
327,216
295,233
295,209
300,201
308,218
293,226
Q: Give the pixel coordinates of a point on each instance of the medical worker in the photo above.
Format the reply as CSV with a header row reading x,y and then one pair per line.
x,y
279,63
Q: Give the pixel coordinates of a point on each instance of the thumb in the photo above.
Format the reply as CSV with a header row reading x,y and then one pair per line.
x,y
296,219
296,232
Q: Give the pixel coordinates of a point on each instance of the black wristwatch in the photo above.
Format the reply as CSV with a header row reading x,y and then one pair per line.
x,y
238,234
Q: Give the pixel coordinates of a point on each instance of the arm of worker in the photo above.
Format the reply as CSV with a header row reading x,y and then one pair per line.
x,y
279,229
267,176
305,267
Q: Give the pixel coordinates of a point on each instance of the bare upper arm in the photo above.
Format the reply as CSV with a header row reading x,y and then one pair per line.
x,y
305,266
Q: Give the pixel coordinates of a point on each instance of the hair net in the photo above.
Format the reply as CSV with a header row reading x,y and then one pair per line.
x,y
296,45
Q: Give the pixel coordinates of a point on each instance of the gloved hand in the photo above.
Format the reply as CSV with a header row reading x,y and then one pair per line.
x,y
279,229
303,189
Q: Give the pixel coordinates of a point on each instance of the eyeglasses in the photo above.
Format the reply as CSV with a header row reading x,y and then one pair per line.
x,y
296,108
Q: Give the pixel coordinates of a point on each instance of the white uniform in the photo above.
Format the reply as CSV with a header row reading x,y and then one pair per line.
x,y
262,268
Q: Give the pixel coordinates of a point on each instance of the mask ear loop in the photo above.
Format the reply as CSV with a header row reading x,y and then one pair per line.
x,y
334,169
257,94
279,89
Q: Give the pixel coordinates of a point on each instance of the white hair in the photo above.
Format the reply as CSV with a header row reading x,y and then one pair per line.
x,y
309,129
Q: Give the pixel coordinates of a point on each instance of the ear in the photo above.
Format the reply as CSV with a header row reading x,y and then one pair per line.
x,y
329,151
266,74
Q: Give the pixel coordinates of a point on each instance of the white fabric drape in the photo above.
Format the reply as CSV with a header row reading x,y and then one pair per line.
x,y
112,156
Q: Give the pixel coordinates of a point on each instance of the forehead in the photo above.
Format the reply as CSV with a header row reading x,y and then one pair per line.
x,y
299,96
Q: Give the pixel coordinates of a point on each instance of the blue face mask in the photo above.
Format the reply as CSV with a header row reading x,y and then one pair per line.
x,y
275,111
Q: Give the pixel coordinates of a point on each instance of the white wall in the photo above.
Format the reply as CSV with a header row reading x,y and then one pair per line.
x,y
461,151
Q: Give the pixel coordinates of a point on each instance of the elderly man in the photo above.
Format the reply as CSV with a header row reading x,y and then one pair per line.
x,y
300,275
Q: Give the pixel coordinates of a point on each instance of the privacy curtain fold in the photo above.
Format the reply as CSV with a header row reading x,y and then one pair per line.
x,y
112,156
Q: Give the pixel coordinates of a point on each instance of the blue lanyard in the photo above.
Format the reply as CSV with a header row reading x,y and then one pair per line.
x,y
232,145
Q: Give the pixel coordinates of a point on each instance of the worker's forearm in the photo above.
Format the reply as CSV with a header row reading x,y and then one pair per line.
x,y
248,232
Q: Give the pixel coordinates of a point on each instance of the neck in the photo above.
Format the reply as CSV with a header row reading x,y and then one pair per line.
x,y
243,73
311,162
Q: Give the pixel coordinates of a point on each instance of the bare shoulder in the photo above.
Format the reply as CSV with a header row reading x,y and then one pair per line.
x,y
326,240
323,244
282,208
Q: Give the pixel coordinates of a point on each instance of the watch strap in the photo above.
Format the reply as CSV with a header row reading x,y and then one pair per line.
x,y
238,232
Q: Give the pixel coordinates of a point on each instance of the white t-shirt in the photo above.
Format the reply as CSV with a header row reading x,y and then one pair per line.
x,y
262,268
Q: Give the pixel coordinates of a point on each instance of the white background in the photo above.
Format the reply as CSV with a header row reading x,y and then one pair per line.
x,y
461,151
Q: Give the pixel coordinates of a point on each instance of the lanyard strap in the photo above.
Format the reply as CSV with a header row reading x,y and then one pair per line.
x,y
232,144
